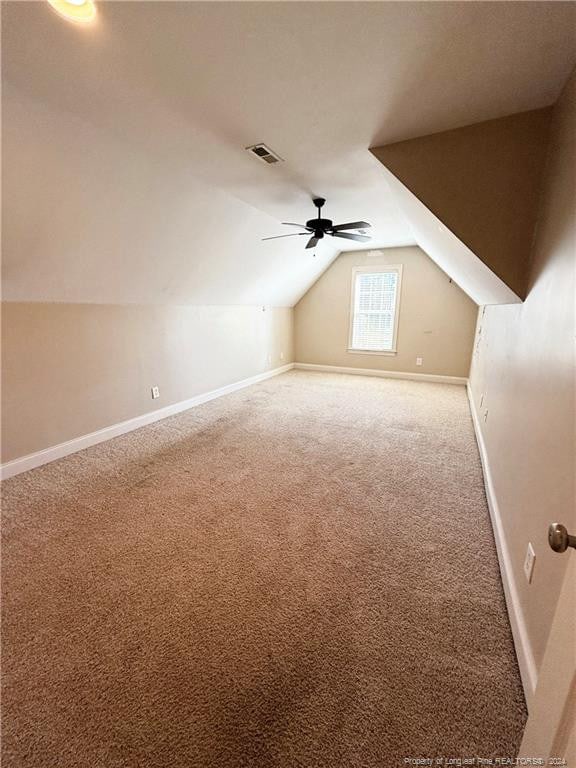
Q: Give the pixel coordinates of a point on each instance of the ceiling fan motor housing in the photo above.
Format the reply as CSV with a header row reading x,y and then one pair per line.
x,y
319,226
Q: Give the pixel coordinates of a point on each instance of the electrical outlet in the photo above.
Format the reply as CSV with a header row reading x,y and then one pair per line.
x,y
418,361
529,561
155,392
281,355
269,359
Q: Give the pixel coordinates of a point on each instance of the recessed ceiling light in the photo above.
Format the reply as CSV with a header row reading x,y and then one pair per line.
x,y
79,11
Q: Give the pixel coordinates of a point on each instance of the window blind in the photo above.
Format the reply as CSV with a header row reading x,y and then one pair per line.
x,y
374,310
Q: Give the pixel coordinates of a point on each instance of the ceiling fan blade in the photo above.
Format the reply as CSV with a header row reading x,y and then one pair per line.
x,y
348,236
291,224
292,234
312,242
351,225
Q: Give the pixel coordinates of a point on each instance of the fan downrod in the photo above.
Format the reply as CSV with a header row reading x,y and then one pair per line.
x,y
319,225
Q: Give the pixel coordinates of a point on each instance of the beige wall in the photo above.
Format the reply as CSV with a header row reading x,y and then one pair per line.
x,y
523,377
70,369
436,322
483,182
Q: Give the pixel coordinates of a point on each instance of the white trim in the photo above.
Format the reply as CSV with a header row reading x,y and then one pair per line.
x,y
368,270
526,662
390,353
432,377
32,460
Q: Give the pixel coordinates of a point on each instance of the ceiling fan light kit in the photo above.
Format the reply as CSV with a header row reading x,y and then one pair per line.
x,y
319,227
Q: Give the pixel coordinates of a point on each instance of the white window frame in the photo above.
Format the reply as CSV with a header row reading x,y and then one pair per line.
x,y
367,270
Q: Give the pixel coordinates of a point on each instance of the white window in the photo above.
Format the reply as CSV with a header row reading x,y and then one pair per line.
x,y
374,309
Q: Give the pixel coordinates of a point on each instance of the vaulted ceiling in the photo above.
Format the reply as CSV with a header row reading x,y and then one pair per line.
x,y
125,175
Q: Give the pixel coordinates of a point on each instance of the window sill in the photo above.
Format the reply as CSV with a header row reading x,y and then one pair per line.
x,y
371,351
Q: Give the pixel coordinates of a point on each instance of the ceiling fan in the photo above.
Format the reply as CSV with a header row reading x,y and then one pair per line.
x,y
319,227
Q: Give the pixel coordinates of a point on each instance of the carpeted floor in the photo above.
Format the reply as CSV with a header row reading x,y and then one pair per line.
x,y
299,574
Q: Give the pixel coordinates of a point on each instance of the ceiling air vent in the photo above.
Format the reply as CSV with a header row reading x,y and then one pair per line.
x,y
262,152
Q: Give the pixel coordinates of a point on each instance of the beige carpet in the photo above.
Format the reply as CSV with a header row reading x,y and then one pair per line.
x,y
299,574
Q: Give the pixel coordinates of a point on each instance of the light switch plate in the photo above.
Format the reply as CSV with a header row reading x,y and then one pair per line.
x,y
529,561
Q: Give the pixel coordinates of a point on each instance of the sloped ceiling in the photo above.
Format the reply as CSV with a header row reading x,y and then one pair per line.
x,y
125,178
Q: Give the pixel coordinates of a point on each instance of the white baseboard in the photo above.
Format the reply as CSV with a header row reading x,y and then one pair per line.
x,y
32,460
526,662
435,378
